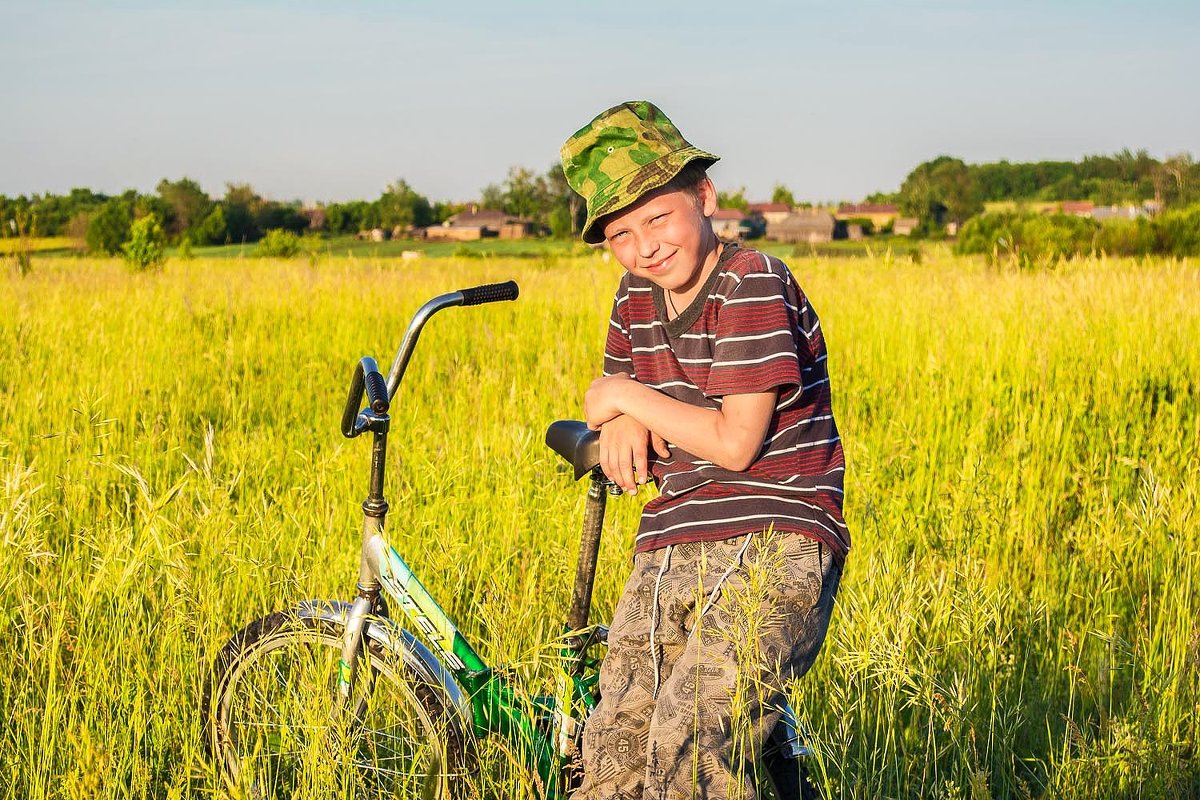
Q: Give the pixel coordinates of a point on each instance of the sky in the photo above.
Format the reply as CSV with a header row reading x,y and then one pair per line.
x,y
330,101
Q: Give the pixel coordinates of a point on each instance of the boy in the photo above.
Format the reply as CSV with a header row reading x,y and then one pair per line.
x,y
715,389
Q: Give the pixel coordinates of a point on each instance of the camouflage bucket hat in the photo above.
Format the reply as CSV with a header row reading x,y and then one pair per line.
x,y
622,154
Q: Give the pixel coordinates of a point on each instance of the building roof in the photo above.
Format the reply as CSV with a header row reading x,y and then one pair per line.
x,y
485,217
868,208
729,213
812,219
768,208
1077,206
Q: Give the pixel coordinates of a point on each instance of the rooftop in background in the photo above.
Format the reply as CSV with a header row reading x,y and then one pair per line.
x,y
868,208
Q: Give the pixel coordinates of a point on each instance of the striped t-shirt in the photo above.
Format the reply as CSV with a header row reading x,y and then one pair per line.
x,y
750,329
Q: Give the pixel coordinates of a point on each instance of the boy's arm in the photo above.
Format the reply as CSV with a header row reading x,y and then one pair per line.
x,y
731,437
625,443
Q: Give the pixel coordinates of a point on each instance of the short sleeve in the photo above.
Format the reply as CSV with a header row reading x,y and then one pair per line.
x,y
618,348
755,349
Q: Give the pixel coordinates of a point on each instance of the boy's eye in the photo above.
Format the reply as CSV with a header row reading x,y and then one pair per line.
x,y
618,236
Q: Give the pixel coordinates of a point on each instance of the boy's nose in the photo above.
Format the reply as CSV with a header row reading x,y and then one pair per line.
x,y
647,246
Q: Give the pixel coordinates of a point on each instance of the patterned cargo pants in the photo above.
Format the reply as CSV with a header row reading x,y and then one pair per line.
x,y
702,640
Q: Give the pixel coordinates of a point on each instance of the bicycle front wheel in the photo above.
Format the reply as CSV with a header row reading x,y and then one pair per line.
x,y
274,730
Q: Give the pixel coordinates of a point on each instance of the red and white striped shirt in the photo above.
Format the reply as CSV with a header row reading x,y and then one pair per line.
x,y
750,329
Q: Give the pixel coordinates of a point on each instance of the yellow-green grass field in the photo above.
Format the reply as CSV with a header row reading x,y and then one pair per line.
x,y
1020,615
39,244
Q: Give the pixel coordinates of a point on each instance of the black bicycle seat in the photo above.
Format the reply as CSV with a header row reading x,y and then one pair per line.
x,y
577,444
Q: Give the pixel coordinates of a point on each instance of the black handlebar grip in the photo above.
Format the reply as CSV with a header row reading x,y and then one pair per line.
x,y
490,293
351,413
377,394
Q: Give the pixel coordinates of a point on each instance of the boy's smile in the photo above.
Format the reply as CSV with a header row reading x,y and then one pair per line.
x,y
666,237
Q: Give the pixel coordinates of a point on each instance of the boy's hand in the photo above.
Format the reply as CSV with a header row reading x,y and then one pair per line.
x,y
602,401
624,451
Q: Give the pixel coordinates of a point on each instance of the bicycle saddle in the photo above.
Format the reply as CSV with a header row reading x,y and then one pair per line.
x,y
578,445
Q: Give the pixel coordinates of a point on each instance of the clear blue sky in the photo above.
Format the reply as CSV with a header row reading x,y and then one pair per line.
x,y
333,100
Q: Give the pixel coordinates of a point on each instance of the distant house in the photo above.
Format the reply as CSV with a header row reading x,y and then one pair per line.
x,y
454,233
1078,208
904,226
1119,212
771,212
481,224
727,224
880,214
808,225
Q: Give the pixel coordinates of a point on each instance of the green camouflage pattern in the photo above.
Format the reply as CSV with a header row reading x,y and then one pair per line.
x,y
622,154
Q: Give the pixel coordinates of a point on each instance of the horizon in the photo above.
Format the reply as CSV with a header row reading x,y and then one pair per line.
x,y
326,104
477,200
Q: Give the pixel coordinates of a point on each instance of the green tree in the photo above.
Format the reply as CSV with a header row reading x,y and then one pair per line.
x,y
561,224
108,229
1177,180
147,244
212,230
278,244
241,204
940,191
444,211
54,212
349,217
188,205
272,215
1029,240
882,198
523,194
733,199
565,204
526,195
781,194
402,206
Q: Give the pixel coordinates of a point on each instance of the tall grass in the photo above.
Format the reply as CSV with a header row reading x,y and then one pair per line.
x,y
1019,616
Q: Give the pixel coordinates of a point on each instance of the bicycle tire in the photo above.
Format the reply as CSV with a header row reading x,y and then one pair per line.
x,y
787,779
270,729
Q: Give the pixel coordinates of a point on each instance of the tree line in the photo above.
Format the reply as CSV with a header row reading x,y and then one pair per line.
x,y
946,189
189,215
937,192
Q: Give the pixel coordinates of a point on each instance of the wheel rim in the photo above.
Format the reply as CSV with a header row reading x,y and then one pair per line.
x,y
279,736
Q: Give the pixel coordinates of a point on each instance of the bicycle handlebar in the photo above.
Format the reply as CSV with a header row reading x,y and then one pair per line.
x,y
366,373
474,296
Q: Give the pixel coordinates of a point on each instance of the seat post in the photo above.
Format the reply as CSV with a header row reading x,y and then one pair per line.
x,y
589,550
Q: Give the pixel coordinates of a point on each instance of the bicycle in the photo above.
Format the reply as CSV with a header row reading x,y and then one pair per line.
x,y
339,696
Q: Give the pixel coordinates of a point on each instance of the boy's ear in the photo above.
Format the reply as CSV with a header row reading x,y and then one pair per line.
x,y
707,195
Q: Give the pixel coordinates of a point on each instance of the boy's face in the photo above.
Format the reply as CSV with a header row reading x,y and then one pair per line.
x,y
666,237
